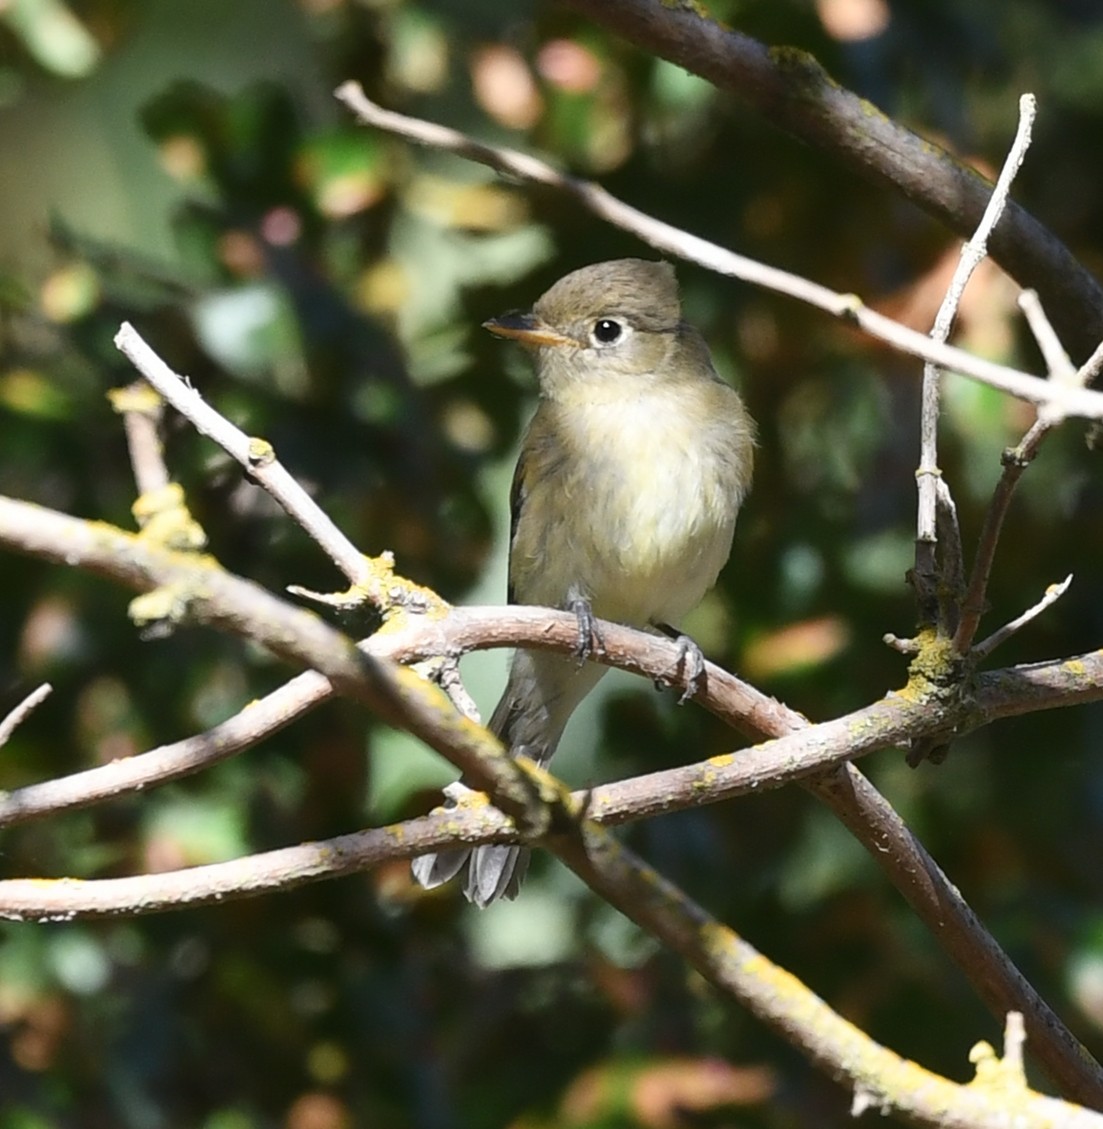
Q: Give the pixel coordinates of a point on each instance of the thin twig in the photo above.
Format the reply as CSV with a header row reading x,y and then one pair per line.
x,y
1015,461
1092,367
141,408
789,89
673,241
445,673
972,255
903,646
1058,363
952,556
22,711
975,601
973,252
161,509
255,455
1052,594
1014,1039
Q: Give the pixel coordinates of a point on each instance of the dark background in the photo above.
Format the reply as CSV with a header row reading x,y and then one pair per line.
x,y
184,166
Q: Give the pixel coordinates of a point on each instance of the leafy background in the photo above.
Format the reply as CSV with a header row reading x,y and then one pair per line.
x,y
184,166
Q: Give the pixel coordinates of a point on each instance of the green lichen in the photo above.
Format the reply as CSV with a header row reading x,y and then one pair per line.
x,y
801,67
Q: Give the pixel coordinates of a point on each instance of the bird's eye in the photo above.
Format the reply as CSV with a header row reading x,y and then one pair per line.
x,y
607,331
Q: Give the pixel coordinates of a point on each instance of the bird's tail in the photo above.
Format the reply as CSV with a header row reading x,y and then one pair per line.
x,y
542,693
489,872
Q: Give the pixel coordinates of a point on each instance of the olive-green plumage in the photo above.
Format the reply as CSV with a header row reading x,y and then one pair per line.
x,y
624,500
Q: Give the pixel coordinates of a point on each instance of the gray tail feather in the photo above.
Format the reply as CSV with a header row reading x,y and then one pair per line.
x,y
492,872
431,871
542,692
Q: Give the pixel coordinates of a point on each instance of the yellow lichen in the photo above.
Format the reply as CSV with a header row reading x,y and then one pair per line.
x,y
261,452
996,1074
164,519
137,397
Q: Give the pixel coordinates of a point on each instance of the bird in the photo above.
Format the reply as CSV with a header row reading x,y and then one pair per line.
x,y
623,505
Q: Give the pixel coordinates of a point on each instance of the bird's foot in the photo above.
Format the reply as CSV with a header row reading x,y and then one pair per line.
x,y
589,637
689,666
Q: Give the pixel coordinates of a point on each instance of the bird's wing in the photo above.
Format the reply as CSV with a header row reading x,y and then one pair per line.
x,y
518,492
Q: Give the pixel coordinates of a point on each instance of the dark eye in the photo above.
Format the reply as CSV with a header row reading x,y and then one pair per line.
x,y
606,331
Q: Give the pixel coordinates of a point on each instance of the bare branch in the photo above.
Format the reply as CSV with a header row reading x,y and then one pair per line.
x,y
671,240
255,455
778,999
445,672
22,711
795,755
928,474
801,750
170,762
714,950
1015,461
1053,593
1091,368
141,408
791,90
904,646
1014,1039
952,556
1058,364
199,589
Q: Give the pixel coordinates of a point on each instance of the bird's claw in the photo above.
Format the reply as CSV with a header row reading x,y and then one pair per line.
x,y
589,637
690,664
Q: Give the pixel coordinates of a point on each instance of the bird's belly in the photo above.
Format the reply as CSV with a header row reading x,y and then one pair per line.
x,y
644,524
656,562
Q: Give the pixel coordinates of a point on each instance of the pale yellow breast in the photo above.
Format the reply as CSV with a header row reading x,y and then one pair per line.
x,y
637,504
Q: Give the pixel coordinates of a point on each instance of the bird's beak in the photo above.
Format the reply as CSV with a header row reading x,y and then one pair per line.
x,y
528,329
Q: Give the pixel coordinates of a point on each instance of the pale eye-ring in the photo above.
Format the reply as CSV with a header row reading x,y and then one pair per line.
x,y
606,331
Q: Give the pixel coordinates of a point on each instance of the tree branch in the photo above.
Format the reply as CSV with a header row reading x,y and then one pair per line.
x,y
142,408
928,576
790,89
878,1076
1052,594
1015,461
794,749
673,241
801,753
15,718
196,588
256,456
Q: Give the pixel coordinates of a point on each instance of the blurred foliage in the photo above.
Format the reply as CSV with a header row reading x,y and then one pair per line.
x,y
184,166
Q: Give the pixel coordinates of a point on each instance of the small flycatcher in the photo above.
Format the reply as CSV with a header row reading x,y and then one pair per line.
x,y
624,499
